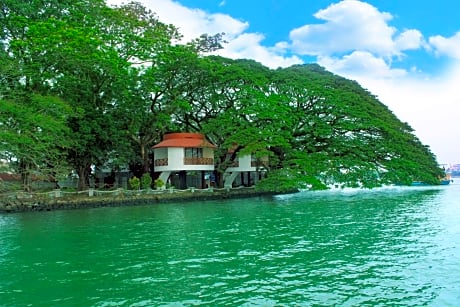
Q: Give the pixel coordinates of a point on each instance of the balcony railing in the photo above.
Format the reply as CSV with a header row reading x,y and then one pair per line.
x,y
161,162
198,161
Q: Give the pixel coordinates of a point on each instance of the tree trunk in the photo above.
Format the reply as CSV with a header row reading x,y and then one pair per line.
x,y
145,159
25,175
83,177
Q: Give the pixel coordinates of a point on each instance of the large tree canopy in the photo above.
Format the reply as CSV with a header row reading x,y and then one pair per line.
x,y
343,134
83,52
87,85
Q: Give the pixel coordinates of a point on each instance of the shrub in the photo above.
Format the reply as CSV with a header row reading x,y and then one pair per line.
x,y
146,181
159,183
134,183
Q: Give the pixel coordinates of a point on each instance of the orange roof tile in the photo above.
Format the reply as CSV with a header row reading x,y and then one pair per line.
x,y
185,140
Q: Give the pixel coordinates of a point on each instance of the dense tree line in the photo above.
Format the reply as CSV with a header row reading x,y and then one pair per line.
x,y
83,84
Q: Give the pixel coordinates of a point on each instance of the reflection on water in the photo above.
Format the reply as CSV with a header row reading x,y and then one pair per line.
x,y
393,246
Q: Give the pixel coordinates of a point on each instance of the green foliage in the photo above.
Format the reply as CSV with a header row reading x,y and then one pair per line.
x,y
146,181
134,183
344,135
83,52
159,183
289,180
34,135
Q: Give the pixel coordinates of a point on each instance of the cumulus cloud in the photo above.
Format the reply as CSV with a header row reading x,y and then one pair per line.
x,y
359,64
249,46
349,25
446,46
355,39
410,40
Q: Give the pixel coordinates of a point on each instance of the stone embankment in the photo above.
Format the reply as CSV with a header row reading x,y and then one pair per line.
x,y
38,203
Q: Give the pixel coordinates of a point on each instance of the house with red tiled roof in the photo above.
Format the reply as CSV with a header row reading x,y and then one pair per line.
x,y
184,159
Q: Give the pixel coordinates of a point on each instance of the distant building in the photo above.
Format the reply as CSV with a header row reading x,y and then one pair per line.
x,y
454,170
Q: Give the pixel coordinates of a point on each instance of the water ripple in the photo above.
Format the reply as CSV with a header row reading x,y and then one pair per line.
x,y
383,247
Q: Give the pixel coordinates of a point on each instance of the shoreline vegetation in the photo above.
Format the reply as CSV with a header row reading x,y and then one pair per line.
x,y
16,202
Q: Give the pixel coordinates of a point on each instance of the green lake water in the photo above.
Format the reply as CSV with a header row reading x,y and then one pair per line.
x,y
385,247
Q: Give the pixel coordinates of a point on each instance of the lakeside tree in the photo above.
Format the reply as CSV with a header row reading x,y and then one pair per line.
x,y
85,70
33,129
341,134
34,135
249,120
148,104
216,96
147,46
317,128
84,52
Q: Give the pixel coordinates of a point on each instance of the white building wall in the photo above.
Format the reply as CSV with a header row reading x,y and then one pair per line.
x,y
175,156
244,165
198,168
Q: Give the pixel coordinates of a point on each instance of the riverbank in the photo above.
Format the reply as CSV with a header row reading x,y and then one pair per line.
x,y
56,200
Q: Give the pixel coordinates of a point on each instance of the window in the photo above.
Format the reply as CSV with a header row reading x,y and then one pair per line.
x,y
193,152
194,156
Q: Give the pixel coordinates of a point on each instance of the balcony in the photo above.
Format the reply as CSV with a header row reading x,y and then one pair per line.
x,y
161,162
198,161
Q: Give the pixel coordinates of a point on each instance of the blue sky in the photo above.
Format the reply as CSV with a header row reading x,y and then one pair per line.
x,y
407,53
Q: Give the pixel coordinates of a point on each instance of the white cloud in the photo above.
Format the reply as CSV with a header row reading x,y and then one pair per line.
x,y
248,46
409,39
359,64
446,46
349,25
429,106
